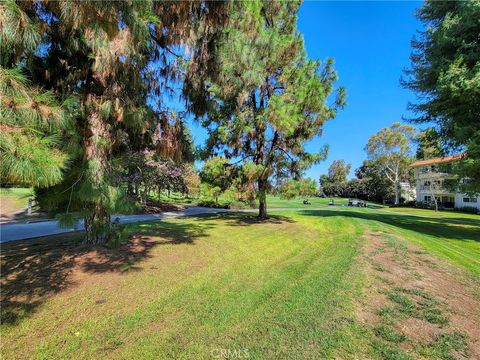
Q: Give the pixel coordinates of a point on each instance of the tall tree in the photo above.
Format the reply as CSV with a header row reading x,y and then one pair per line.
x,y
98,51
267,99
445,72
391,149
116,57
339,170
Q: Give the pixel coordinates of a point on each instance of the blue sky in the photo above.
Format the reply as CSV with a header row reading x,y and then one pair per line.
x,y
370,42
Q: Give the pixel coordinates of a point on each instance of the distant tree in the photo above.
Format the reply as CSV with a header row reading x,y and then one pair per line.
x,y
293,188
338,171
375,185
428,145
335,183
445,73
268,98
356,188
390,149
218,174
192,181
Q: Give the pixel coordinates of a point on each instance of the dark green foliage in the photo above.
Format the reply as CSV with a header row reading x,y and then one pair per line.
x,y
429,145
445,73
372,184
335,183
267,98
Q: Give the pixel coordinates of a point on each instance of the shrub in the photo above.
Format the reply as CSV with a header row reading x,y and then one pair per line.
x,y
467,209
213,204
410,203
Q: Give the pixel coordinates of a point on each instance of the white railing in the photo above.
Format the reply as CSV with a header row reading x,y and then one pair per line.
x,y
433,188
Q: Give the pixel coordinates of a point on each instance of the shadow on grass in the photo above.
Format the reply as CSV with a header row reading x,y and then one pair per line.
x,y
437,227
246,219
35,269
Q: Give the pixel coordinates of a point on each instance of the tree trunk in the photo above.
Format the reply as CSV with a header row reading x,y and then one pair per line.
x,y
97,221
432,194
262,199
397,192
97,225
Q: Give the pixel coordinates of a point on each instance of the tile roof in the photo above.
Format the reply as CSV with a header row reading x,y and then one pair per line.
x,y
445,159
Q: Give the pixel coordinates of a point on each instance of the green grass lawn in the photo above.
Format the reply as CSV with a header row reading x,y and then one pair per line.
x,y
436,214
190,287
449,236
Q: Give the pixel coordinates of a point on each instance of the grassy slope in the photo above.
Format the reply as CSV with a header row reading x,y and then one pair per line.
x,y
282,289
274,289
450,237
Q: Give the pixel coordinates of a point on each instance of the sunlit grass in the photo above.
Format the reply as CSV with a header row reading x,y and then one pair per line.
x,y
284,288
436,214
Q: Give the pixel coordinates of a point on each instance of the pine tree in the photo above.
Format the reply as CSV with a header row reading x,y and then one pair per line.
x,y
267,98
445,73
115,57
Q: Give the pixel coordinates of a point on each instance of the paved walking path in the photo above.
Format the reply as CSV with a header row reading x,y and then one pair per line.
x,y
21,231
27,230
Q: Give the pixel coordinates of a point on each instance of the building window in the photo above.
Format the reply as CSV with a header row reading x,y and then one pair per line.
x,y
427,198
470,199
426,183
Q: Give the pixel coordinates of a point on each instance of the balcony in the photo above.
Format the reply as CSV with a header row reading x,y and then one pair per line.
x,y
437,189
434,175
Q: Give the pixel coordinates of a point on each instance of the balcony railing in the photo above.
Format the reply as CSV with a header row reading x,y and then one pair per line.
x,y
429,171
433,187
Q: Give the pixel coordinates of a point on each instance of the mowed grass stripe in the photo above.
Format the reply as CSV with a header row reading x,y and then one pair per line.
x,y
259,268
279,289
269,303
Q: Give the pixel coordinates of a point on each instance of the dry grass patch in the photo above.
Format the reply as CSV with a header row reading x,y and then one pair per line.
x,y
418,305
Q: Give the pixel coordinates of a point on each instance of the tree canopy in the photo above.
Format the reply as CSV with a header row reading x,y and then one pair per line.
x,y
116,60
335,182
391,149
267,98
445,73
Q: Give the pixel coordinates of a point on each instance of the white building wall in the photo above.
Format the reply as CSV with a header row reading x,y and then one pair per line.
x,y
420,178
459,201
